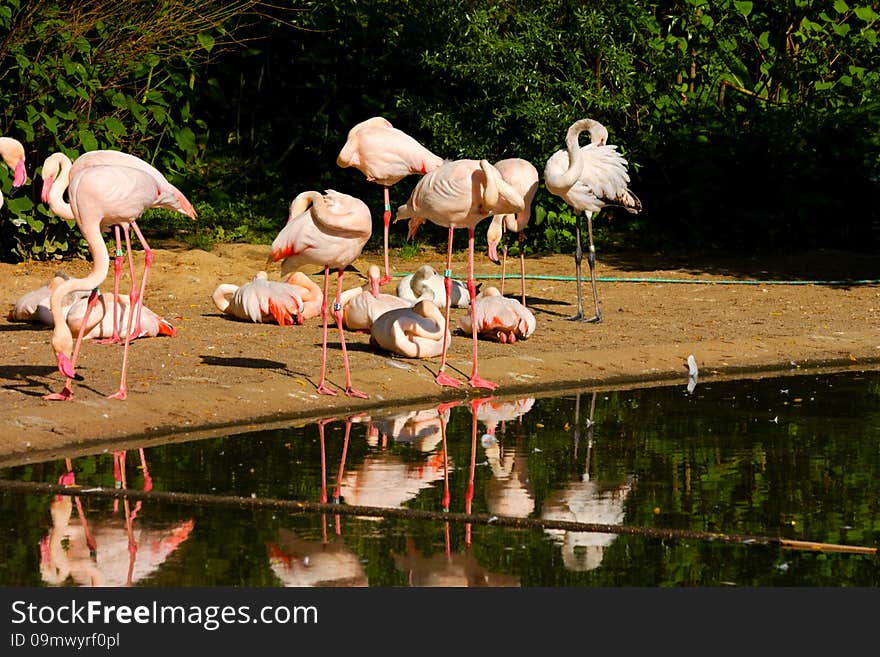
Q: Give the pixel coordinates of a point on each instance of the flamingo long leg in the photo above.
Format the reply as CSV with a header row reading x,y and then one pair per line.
x,y
337,313
325,313
386,220
476,380
591,260
442,377
117,274
522,266
578,257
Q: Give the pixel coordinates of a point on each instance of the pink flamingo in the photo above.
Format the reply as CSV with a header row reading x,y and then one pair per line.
x,y
309,292
460,193
261,301
107,189
12,152
385,155
330,230
413,332
499,318
102,325
33,306
523,176
362,305
589,178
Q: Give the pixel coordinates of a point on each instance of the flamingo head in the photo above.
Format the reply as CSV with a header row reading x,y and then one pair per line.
x,y
47,188
20,174
373,276
12,152
493,237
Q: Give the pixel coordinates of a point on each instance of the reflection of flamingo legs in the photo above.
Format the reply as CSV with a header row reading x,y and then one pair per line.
x,y
469,495
69,479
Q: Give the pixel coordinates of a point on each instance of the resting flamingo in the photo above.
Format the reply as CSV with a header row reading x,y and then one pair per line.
x,y
385,155
416,332
33,306
103,195
523,176
260,301
362,305
499,318
589,178
330,230
460,193
12,152
426,283
101,324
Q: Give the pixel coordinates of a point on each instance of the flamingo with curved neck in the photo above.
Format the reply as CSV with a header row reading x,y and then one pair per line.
x,y
12,152
108,188
589,178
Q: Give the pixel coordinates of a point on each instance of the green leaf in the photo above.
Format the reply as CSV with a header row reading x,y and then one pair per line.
x,y
206,41
867,14
115,126
19,204
743,7
841,7
88,140
186,140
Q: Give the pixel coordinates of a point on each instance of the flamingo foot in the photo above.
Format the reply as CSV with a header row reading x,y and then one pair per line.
x,y
65,366
113,339
445,380
65,395
445,406
587,320
351,392
324,390
385,279
122,393
479,382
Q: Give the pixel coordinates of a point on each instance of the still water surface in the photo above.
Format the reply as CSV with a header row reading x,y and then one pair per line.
x,y
795,457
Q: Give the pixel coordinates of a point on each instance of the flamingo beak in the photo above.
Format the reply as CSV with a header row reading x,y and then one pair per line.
x,y
20,174
47,187
65,366
374,287
493,252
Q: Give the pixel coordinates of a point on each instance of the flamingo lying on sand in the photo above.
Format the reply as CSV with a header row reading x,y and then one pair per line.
x,y
33,307
499,318
523,176
330,230
12,152
589,178
460,193
105,188
362,305
385,155
426,283
260,301
414,332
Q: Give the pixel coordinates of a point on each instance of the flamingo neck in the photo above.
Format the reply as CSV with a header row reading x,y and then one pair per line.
x,y
62,338
575,158
57,187
221,295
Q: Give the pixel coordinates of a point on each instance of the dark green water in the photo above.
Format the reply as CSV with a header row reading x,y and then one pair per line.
x,y
795,457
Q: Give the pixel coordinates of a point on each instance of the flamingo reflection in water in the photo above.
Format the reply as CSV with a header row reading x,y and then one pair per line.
x,y
450,568
105,552
302,562
509,491
586,501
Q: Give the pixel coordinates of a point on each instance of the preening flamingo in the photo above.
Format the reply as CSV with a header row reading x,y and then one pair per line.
x,y
102,195
461,193
413,332
426,283
523,176
362,305
499,318
589,178
330,230
12,152
260,301
385,155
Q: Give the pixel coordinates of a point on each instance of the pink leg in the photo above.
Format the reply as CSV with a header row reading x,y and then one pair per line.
x,y
117,273
522,266
337,313
476,380
386,220
442,377
337,490
322,388
148,479
67,392
503,267
136,299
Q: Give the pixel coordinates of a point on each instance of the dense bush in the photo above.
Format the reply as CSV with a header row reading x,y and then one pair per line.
x,y
747,125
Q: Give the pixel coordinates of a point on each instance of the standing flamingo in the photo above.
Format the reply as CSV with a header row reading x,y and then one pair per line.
x,y
589,178
385,155
460,193
103,195
523,176
12,152
330,230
